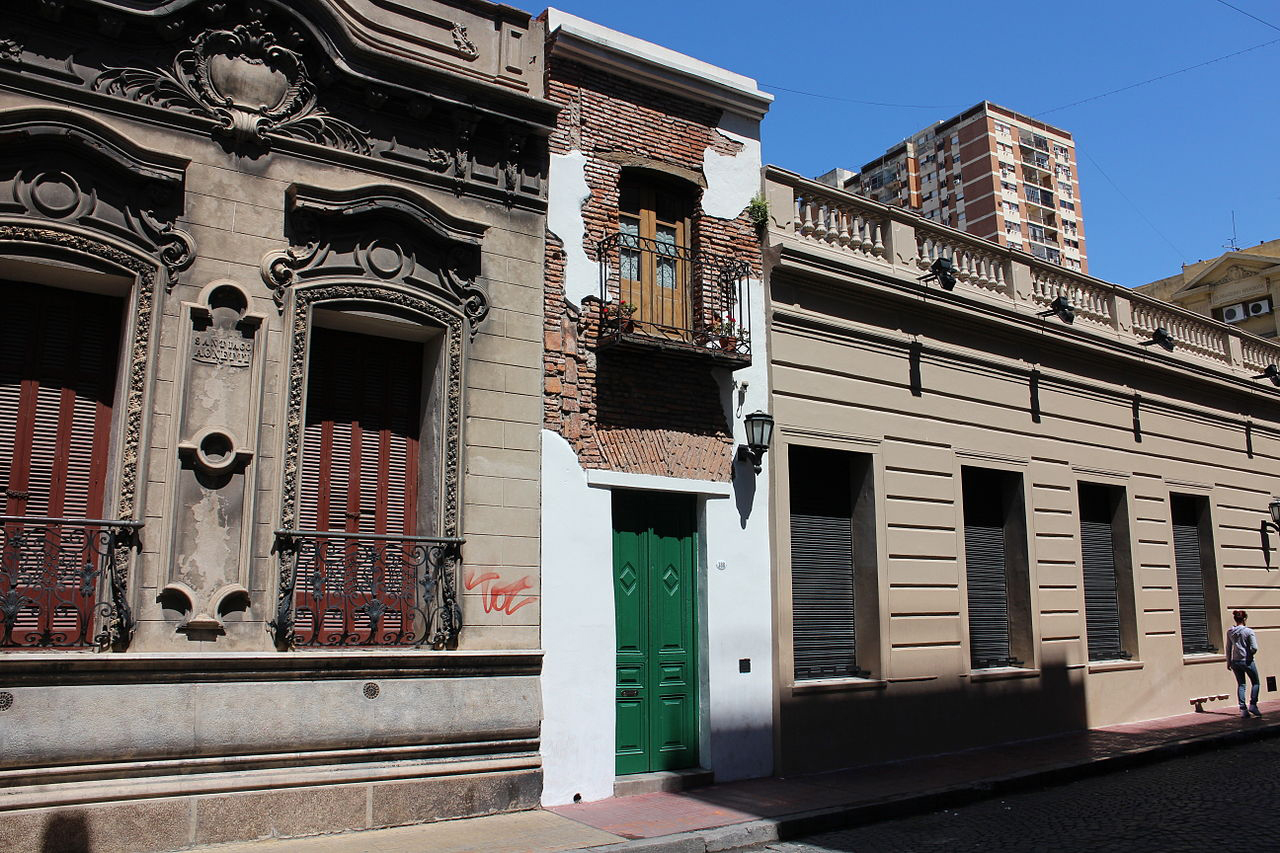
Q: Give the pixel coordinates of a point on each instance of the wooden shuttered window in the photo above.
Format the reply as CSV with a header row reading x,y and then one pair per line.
x,y
1190,551
823,581
1098,562
58,354
987,571
359,475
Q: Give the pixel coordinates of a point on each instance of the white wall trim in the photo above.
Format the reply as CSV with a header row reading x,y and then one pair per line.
x,y
601,479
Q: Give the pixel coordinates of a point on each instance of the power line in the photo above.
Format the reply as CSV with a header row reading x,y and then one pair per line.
x,y
1161,77
1116,187
866,103
1249,14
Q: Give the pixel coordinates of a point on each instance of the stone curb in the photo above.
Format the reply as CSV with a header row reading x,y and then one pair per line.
x,y
738,836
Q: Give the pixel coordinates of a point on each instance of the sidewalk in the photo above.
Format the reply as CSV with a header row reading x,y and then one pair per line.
x,y
738,814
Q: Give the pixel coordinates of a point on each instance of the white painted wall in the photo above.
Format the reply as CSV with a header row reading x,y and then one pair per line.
x,y
567,192
577,630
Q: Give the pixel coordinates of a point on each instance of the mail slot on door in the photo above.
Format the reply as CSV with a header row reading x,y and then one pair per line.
x,y
628,694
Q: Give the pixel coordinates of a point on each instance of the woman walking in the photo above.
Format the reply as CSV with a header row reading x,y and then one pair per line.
x,y
1242,645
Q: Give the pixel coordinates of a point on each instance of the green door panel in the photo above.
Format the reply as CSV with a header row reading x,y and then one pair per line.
x,y
654,579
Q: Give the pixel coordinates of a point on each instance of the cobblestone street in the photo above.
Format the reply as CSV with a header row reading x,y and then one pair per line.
x,y
1216,800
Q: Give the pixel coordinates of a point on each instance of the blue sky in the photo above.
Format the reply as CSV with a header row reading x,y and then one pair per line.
x,y
1162,165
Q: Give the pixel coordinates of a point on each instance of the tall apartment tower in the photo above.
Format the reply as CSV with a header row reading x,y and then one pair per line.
x,y
989,171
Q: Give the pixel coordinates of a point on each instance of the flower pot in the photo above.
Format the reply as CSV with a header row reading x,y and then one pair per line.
x,y
729,343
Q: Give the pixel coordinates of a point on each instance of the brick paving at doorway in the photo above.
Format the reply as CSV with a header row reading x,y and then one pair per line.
x,y
669,813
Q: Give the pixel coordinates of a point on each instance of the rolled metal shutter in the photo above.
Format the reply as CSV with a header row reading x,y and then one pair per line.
x,y
822,596
1191,609
1101,606
984,555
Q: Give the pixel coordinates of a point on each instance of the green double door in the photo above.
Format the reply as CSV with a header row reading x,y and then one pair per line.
x,y
654,581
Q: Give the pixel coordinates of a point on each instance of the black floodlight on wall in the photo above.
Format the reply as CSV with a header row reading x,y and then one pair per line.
x,y
1270,372
1273,524
1061,307
1162,337
943,271
759,427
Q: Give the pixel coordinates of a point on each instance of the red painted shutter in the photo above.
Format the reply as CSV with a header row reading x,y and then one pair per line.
x,y
58,351
359,474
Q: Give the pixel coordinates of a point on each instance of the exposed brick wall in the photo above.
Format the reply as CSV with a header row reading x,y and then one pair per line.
x,y
642,412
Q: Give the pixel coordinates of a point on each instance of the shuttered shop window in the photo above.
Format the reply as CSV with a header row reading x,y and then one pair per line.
x,y
1097,549
58,351
359,472
822,567
1188,558
987,572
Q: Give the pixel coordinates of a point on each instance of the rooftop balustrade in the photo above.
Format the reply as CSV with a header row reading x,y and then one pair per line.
x,y
841,228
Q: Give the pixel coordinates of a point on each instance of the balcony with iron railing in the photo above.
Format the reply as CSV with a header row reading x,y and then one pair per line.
x,y
657,294
817,226
62,582
340,589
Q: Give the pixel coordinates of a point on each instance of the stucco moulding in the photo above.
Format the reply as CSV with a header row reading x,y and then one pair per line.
x,y
259,78
65,168
421,246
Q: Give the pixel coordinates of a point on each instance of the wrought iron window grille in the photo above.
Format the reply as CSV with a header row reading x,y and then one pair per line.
x,y
63,582
656,293
360,589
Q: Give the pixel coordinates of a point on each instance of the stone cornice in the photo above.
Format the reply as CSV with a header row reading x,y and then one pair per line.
x,y
577,39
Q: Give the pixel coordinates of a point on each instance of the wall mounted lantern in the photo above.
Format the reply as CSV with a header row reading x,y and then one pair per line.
x,y
1270,372
1162,337
943,271
1061,307
759,427
1273,524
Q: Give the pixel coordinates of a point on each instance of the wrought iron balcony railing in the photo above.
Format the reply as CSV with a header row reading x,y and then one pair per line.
x,y
62,582
658,293
357,589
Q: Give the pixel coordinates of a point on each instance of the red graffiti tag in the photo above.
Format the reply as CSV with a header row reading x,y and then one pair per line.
x,y
502,598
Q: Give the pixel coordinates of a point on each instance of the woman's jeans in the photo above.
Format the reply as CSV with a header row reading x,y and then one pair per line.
x,y
1240,669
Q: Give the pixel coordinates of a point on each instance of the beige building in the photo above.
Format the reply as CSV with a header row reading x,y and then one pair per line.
x,y
989,171
991,523
1239,287
269,418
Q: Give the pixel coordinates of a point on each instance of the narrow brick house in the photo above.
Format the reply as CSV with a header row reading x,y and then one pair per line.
x,y
655,570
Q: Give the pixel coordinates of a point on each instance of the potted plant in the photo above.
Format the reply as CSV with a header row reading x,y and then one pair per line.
x,y
725,331
620,316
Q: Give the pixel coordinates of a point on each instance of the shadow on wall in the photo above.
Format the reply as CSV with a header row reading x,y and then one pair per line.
x,y
828,729
66,832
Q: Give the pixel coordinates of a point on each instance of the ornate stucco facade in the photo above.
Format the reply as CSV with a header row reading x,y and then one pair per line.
x,y
270,567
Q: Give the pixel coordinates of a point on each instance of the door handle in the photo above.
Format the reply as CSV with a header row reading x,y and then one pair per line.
x,y
628,694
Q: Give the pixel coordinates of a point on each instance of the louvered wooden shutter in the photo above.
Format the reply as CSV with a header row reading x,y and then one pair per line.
x,y
1187,559
822,567
1101,606
984,554
58,351
359,474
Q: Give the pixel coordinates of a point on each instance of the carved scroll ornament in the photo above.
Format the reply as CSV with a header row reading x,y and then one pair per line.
x,y
244,79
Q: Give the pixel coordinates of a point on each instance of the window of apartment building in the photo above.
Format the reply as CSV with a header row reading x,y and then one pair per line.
x,y
1070,228
1107,568
1060,150
1002,128
834,594
58,368
1011,208
1198,602
1009,186
1064,189
654,228
1067,205
996,568
1012,228
1071,263
1074,244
